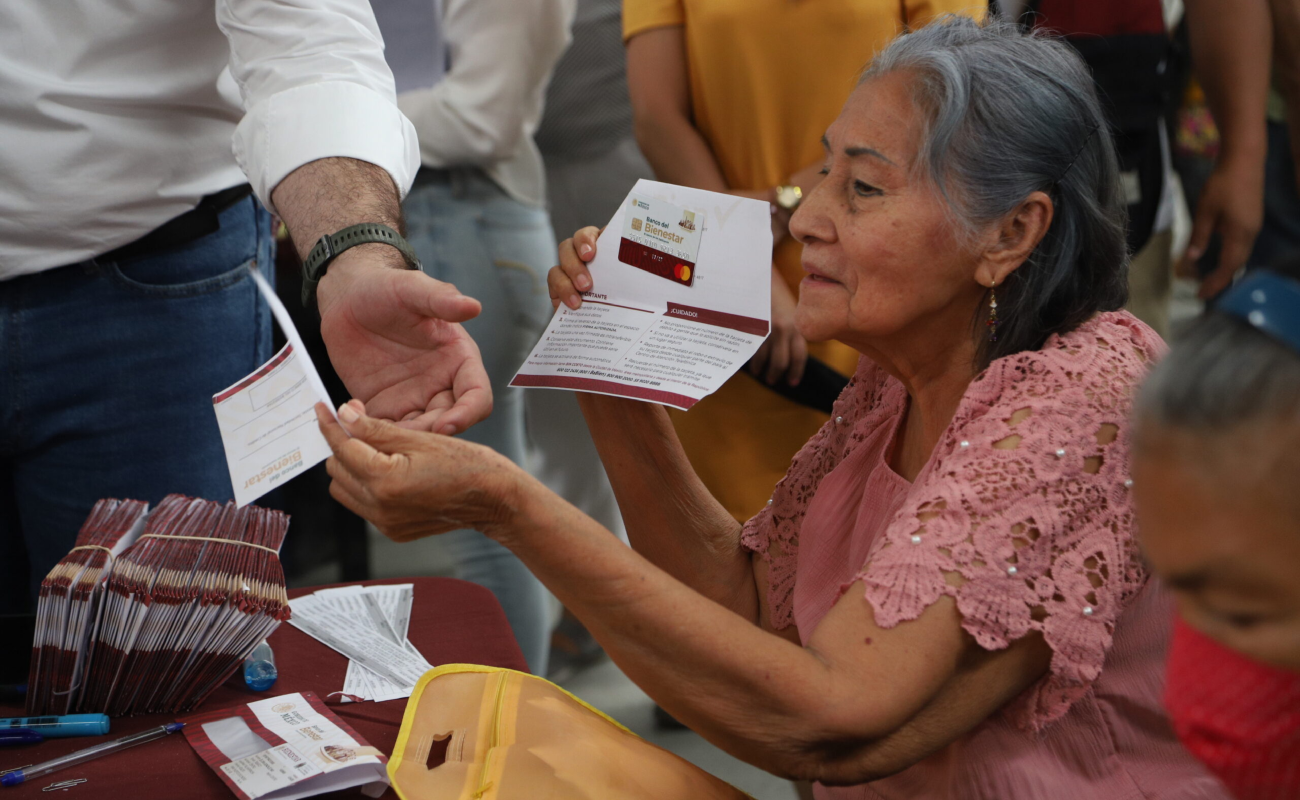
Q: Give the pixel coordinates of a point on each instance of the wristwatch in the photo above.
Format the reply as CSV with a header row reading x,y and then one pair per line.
x,y
330,245
788,197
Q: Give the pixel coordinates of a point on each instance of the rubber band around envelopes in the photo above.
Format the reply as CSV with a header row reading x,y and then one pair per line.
x,y
146,615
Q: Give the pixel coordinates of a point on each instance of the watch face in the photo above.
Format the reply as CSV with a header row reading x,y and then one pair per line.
x,y
788,197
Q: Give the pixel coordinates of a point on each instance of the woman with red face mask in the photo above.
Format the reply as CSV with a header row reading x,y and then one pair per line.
x,y
1216,470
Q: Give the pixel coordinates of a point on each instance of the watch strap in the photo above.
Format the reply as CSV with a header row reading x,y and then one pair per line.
x,y
331,245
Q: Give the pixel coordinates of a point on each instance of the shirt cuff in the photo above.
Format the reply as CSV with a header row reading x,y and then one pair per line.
x,y
332,119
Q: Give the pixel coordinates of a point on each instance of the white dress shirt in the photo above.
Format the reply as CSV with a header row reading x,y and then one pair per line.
x,y
117,116
485,110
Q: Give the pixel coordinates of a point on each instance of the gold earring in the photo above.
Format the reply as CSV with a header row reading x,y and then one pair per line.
x,y
993,314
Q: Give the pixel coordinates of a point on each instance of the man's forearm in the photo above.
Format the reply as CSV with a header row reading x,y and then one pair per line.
x,y
1231,52
324,196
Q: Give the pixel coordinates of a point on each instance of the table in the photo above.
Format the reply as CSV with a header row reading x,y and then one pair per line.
x,y
451,622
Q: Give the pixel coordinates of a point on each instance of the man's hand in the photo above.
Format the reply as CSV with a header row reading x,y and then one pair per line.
x,y
1231,43
392,333
393,337
1231,205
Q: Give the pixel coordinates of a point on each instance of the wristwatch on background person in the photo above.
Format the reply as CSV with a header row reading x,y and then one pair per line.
x,y
787,198
330,245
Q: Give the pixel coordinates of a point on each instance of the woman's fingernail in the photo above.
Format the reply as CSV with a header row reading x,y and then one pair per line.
x,y
573,302
583,282
584,250
447,430
348,414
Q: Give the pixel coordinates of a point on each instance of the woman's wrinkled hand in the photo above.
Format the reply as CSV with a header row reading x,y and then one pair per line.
x,y
413,484
567,281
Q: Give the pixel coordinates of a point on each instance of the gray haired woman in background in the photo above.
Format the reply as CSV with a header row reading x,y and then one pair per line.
x,y
943,598
1217,471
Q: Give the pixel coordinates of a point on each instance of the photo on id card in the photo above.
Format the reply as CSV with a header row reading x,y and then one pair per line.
x,y
661,238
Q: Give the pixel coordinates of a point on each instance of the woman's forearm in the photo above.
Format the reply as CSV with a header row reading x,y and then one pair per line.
x,y
671,517
856,703
745,689
679,154
839,709
659,88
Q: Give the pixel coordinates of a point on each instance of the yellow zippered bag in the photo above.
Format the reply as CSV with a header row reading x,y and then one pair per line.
x,y
485,733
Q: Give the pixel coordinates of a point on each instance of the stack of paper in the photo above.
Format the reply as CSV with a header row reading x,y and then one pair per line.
x,y
69,604
368,624
181,607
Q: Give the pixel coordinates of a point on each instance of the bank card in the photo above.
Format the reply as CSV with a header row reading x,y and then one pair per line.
x,y
661,238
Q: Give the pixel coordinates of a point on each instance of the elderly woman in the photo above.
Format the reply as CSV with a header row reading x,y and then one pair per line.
x,y
942,599
1217,434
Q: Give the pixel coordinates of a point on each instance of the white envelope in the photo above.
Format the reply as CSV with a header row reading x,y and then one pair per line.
x,y
268,419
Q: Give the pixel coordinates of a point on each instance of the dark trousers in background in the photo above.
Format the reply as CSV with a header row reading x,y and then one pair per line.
x,y
107,371
1279,238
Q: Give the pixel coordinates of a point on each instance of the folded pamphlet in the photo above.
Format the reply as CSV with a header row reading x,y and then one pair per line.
x,y
285,747
681,299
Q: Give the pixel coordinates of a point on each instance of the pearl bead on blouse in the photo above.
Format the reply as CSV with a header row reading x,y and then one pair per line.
x,y
1087,611
916,539
1060,453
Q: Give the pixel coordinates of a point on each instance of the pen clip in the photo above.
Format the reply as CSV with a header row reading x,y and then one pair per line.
x,y
68,784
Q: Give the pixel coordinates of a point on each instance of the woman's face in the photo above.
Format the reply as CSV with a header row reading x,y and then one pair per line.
x,y
881,253
1217,522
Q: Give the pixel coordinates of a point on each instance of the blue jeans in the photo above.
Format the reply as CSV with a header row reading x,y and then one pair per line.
x,y
108,371
468,232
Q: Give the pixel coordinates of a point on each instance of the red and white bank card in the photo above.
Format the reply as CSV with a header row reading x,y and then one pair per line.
x,y
661,238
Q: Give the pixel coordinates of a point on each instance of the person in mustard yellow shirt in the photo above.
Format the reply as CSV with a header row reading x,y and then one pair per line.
x,y
734,95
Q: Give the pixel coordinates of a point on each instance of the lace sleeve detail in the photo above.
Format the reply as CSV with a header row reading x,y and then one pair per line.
x,y
1023,514
774,532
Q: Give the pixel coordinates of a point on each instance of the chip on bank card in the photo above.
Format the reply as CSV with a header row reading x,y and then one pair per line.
x,y
661,238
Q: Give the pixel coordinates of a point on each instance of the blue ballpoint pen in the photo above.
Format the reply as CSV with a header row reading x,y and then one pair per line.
x,y
20,776
8,738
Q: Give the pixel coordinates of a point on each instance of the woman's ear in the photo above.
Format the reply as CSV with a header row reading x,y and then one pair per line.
x,y
1015,238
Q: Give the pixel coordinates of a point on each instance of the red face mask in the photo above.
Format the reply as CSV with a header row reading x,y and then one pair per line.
x,y
1241,718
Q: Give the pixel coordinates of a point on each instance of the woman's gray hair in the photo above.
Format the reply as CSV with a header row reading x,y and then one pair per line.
x,y
1221,373
1009,113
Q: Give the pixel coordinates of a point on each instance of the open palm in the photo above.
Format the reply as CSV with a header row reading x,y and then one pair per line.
x,y
395,339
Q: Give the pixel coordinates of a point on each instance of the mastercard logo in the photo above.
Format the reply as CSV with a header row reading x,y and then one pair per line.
x,y
682,272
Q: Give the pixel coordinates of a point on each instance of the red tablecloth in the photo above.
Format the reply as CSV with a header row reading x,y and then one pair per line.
x,y
451,622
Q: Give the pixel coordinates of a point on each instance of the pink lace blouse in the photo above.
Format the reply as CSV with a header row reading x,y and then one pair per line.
x,y
1026,498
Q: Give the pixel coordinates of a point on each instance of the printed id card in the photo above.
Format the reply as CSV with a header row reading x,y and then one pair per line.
x,y
661,238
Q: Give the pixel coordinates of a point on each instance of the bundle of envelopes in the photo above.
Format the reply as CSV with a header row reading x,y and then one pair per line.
x,y
70,598
149,614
